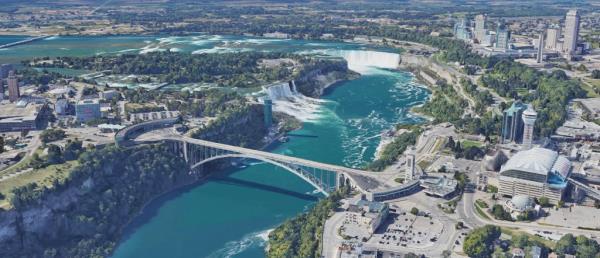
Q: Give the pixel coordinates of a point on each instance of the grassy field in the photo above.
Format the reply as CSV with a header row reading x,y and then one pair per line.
x,y
512,233
481,212
466,144
43,177
22,164
590,86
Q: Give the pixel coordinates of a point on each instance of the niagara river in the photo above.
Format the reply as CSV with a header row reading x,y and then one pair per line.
x,y
231,213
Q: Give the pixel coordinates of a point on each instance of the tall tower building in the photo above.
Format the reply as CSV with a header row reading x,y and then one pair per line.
x,y
502,36
540,51
529,116
410,165
512,124
1,90
480,31
552,36
268,112
571,31
13,87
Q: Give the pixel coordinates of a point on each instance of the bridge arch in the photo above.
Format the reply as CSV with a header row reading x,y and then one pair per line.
x,y
275,163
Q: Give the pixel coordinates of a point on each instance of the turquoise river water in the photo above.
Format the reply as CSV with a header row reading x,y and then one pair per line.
x,y
231,214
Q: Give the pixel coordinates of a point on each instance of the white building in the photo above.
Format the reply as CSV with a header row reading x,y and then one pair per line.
x,y
571,32
552,36
537,173
480,31
370,214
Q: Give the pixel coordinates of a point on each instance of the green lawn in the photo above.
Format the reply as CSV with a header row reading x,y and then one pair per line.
x,y
467,143
591,86
22,164
512,233
481,212
43,177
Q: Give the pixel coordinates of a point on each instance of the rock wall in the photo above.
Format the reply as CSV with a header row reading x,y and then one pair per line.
x,y
314,79
84,215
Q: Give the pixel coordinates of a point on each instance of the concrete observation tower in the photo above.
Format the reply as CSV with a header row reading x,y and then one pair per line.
x,y
529,116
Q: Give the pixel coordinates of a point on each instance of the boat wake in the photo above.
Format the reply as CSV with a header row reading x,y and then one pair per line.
x,y
232,248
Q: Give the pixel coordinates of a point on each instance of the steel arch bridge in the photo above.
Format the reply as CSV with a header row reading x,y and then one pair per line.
x,y
323,177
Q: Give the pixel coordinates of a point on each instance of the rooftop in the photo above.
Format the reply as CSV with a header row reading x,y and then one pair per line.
x,y
88,101
18,110
536,160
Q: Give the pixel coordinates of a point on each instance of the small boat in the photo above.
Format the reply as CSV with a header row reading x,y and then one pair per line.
x,y
284,139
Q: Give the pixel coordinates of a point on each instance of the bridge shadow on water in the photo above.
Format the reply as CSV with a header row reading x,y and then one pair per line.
x,y
265,187
151,209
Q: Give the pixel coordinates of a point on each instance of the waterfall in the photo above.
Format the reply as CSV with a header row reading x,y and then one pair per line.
x,y
363,60
280,91
286,99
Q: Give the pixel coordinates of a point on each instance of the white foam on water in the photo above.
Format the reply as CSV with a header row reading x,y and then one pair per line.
x,y
287,100
127,50
174,49
233,248
221,50
150,48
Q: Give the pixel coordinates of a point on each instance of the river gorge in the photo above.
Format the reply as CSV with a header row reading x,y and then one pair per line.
x,y
230,214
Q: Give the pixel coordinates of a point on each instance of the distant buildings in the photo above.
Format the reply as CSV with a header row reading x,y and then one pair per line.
x,y
480,31
86,110
61,106
502,36
540,51
20,116
461,30
529,116
110,95
151,116
571,32
512,125
537,173
13,87
552,36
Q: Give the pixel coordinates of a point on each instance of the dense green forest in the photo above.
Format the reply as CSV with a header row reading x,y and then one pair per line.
x,y
549,92
392,151
302,236
224,69
110,186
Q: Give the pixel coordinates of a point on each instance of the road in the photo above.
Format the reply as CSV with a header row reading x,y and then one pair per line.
x,y
472,219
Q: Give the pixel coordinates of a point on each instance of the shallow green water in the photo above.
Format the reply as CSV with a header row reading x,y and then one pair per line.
x,y
231,214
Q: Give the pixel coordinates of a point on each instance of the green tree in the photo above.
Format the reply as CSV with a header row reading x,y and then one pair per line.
x,y
520,240
596,74
566,245
544,201
55,155
479,242
414,211
1,144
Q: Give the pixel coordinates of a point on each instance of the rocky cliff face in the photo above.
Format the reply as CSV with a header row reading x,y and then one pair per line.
x,y
317,76
84,216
